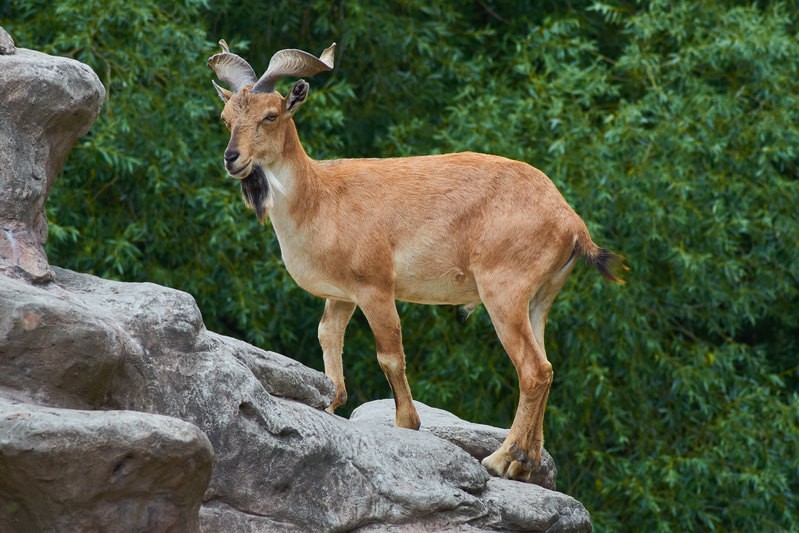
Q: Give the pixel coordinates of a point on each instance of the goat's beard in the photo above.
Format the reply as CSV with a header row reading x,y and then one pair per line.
x,y
256,193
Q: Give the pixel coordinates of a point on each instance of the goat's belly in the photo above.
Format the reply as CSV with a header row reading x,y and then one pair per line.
x,y
429,273
323,289
456,288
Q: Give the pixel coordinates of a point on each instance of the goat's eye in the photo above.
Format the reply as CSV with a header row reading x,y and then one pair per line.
x,y
271,117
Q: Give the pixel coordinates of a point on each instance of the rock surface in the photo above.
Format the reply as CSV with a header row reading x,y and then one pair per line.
x,y
7,46
281,462
478,440
115,400
144,471
48,103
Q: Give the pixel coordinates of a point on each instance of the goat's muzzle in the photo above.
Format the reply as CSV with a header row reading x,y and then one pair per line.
x,y
236,169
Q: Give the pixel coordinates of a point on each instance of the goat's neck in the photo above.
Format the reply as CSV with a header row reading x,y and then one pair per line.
x,y
296,193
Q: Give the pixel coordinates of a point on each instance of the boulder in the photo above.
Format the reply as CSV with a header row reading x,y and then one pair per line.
x,y
59,352
281,462
46,104
478,440
75,470
280,375
7,46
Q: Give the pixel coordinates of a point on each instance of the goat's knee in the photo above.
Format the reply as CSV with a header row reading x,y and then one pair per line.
x,y
391,363
545,374
330,334
533,377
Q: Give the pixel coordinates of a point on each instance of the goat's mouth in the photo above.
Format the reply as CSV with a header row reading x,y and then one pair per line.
x,y
240,172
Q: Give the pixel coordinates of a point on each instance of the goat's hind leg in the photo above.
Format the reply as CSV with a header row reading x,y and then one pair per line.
x,y
331,337
520,453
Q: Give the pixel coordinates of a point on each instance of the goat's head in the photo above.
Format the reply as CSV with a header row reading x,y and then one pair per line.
x,y
257,115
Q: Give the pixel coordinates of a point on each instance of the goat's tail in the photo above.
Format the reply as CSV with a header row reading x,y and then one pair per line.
x,y
605,261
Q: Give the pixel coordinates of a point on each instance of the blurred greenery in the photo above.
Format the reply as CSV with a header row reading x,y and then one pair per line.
x,y
671,126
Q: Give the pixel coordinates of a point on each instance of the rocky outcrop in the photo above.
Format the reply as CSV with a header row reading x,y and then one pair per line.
x,y
73,470
478,440
281,463
48,103
7,46
119,411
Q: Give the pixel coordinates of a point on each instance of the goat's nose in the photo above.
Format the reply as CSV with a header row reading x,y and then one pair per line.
x,y
231,156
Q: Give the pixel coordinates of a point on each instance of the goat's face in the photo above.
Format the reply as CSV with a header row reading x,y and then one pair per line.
x,y
258,124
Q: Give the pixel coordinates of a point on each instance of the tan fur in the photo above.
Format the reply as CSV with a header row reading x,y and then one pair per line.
x,y
447,229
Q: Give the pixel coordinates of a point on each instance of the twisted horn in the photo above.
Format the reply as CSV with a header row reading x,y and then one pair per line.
x,y
291,62
231,69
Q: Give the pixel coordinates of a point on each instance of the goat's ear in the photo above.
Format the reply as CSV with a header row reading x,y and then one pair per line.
x,y
224,94
296,96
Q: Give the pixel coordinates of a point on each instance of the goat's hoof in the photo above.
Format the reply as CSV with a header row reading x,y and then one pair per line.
x,y
407,417
511,464
520,470
497,463
408,422
338,401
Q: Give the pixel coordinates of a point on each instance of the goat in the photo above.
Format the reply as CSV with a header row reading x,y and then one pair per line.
x,y
463,229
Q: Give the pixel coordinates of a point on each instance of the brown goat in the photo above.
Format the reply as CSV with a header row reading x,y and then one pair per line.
x,y
464,229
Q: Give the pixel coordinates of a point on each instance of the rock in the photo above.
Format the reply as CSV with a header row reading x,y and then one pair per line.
x,y
6,43
478,440
280,464
527,507
46,104
511,506
280,375
59,351
279,460
65,342
71,470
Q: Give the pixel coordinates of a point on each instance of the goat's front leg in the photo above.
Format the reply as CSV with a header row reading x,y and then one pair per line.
x,y
381,313
331,337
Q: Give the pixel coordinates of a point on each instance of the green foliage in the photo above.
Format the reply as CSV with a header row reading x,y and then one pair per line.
x,y
672,127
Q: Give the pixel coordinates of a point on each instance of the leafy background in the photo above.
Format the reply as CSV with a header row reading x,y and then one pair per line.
x,y
671,126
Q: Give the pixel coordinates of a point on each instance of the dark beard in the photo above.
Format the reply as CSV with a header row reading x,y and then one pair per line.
x,y
255,191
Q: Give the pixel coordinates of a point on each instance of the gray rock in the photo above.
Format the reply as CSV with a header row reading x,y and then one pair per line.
x,y
280,375
527,507
280,465
162,322
6,43
71,470
479,440
57,349
277,461
65,342
46,104
510,506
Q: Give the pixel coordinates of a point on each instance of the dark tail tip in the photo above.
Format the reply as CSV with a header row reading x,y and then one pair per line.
x,y
608,263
